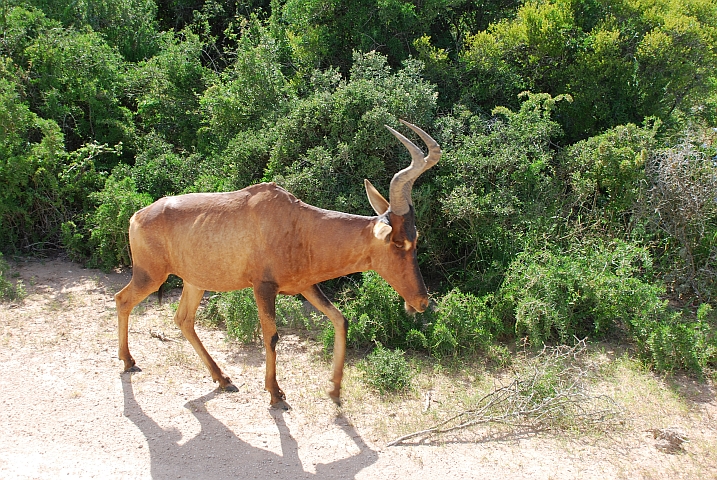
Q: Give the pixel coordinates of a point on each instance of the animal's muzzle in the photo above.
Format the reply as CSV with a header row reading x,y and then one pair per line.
x,y
420,307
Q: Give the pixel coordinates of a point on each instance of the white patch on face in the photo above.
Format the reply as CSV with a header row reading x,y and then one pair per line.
x,y
407,245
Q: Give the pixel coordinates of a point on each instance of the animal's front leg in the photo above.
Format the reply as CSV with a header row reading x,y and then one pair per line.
x,y
265,295
317,298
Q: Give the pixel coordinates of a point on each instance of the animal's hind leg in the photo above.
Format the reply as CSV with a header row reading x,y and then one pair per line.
x,y
141,285
265,296
184,318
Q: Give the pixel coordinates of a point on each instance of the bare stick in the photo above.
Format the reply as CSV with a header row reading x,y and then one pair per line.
x,y
552,394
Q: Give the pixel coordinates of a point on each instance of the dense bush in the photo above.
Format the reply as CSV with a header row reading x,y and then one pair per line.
x,y
376,313
588,291
338,134
109,223
606,177
128,25
596,289
386,370
9,289
496,191
682,207
237,312
76,79
459,323
165,89
676,340
31,153
462,323
575,195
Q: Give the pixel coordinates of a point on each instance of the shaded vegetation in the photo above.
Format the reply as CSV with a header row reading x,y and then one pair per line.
x,y
576,194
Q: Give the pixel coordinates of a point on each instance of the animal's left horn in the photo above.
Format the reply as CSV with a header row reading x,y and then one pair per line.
x,y
402,183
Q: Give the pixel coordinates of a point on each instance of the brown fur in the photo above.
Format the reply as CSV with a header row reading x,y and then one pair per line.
x,y
265,238
261,237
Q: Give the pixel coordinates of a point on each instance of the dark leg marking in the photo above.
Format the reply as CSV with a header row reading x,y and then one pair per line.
x,y
141,278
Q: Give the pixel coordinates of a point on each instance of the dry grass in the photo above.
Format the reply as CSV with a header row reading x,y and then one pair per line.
x,y
658,411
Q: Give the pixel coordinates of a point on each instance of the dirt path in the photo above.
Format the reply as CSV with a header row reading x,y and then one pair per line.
x,y
68,412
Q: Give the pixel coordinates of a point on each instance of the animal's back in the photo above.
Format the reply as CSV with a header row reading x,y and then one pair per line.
x,y
216,241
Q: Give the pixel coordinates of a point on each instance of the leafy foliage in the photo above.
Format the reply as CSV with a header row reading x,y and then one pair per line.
x,y
375,313
238,313
497,191
586,292
128,25
165,89
9,290
606,176
339,134
574,197
76,80
386,370
462,323
109,224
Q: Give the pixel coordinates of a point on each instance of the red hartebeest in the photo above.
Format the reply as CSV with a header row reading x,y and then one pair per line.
x,y
264,237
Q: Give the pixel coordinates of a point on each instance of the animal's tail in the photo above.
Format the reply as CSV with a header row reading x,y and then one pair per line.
x,y
159,293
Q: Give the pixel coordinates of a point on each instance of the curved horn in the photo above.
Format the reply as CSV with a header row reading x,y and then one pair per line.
x,y
399,193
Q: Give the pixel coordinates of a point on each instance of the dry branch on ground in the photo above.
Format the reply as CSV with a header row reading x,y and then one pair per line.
x,y
552,394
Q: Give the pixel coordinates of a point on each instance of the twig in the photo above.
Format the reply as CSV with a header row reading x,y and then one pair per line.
x,y
160,335
549,396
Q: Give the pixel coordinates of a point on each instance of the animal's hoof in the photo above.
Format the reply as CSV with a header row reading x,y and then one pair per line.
x,y
280,405
231,388
335,395
133,369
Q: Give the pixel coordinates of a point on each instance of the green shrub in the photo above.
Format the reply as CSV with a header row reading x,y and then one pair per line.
x,y
335,137
129,25
76,80
290,313
238,313
558,296
462,323
249,92
386,370
9,290
496,191
167,87
602,289
606,174
677,340
109,223
31,156
159,171
376,314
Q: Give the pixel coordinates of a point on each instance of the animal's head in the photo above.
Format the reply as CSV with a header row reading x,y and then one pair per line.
x,y
395,227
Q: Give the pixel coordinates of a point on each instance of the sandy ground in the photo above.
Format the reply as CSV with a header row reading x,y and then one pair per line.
x,y
67,411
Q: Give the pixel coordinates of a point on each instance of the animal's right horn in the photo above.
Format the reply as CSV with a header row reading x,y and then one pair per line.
x,y
399,193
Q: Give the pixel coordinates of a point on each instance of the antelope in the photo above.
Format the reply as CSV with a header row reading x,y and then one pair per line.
x,y
265,238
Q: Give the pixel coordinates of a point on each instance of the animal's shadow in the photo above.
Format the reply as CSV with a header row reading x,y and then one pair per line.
x,y
217,452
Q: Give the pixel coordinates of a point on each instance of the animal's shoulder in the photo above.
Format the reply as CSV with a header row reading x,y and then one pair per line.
x,y
270,191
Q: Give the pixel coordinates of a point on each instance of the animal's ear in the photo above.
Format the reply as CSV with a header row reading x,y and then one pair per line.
x,y
382,231
379,204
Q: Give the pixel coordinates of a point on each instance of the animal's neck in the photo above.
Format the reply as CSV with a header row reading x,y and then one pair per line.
x,y
342,247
